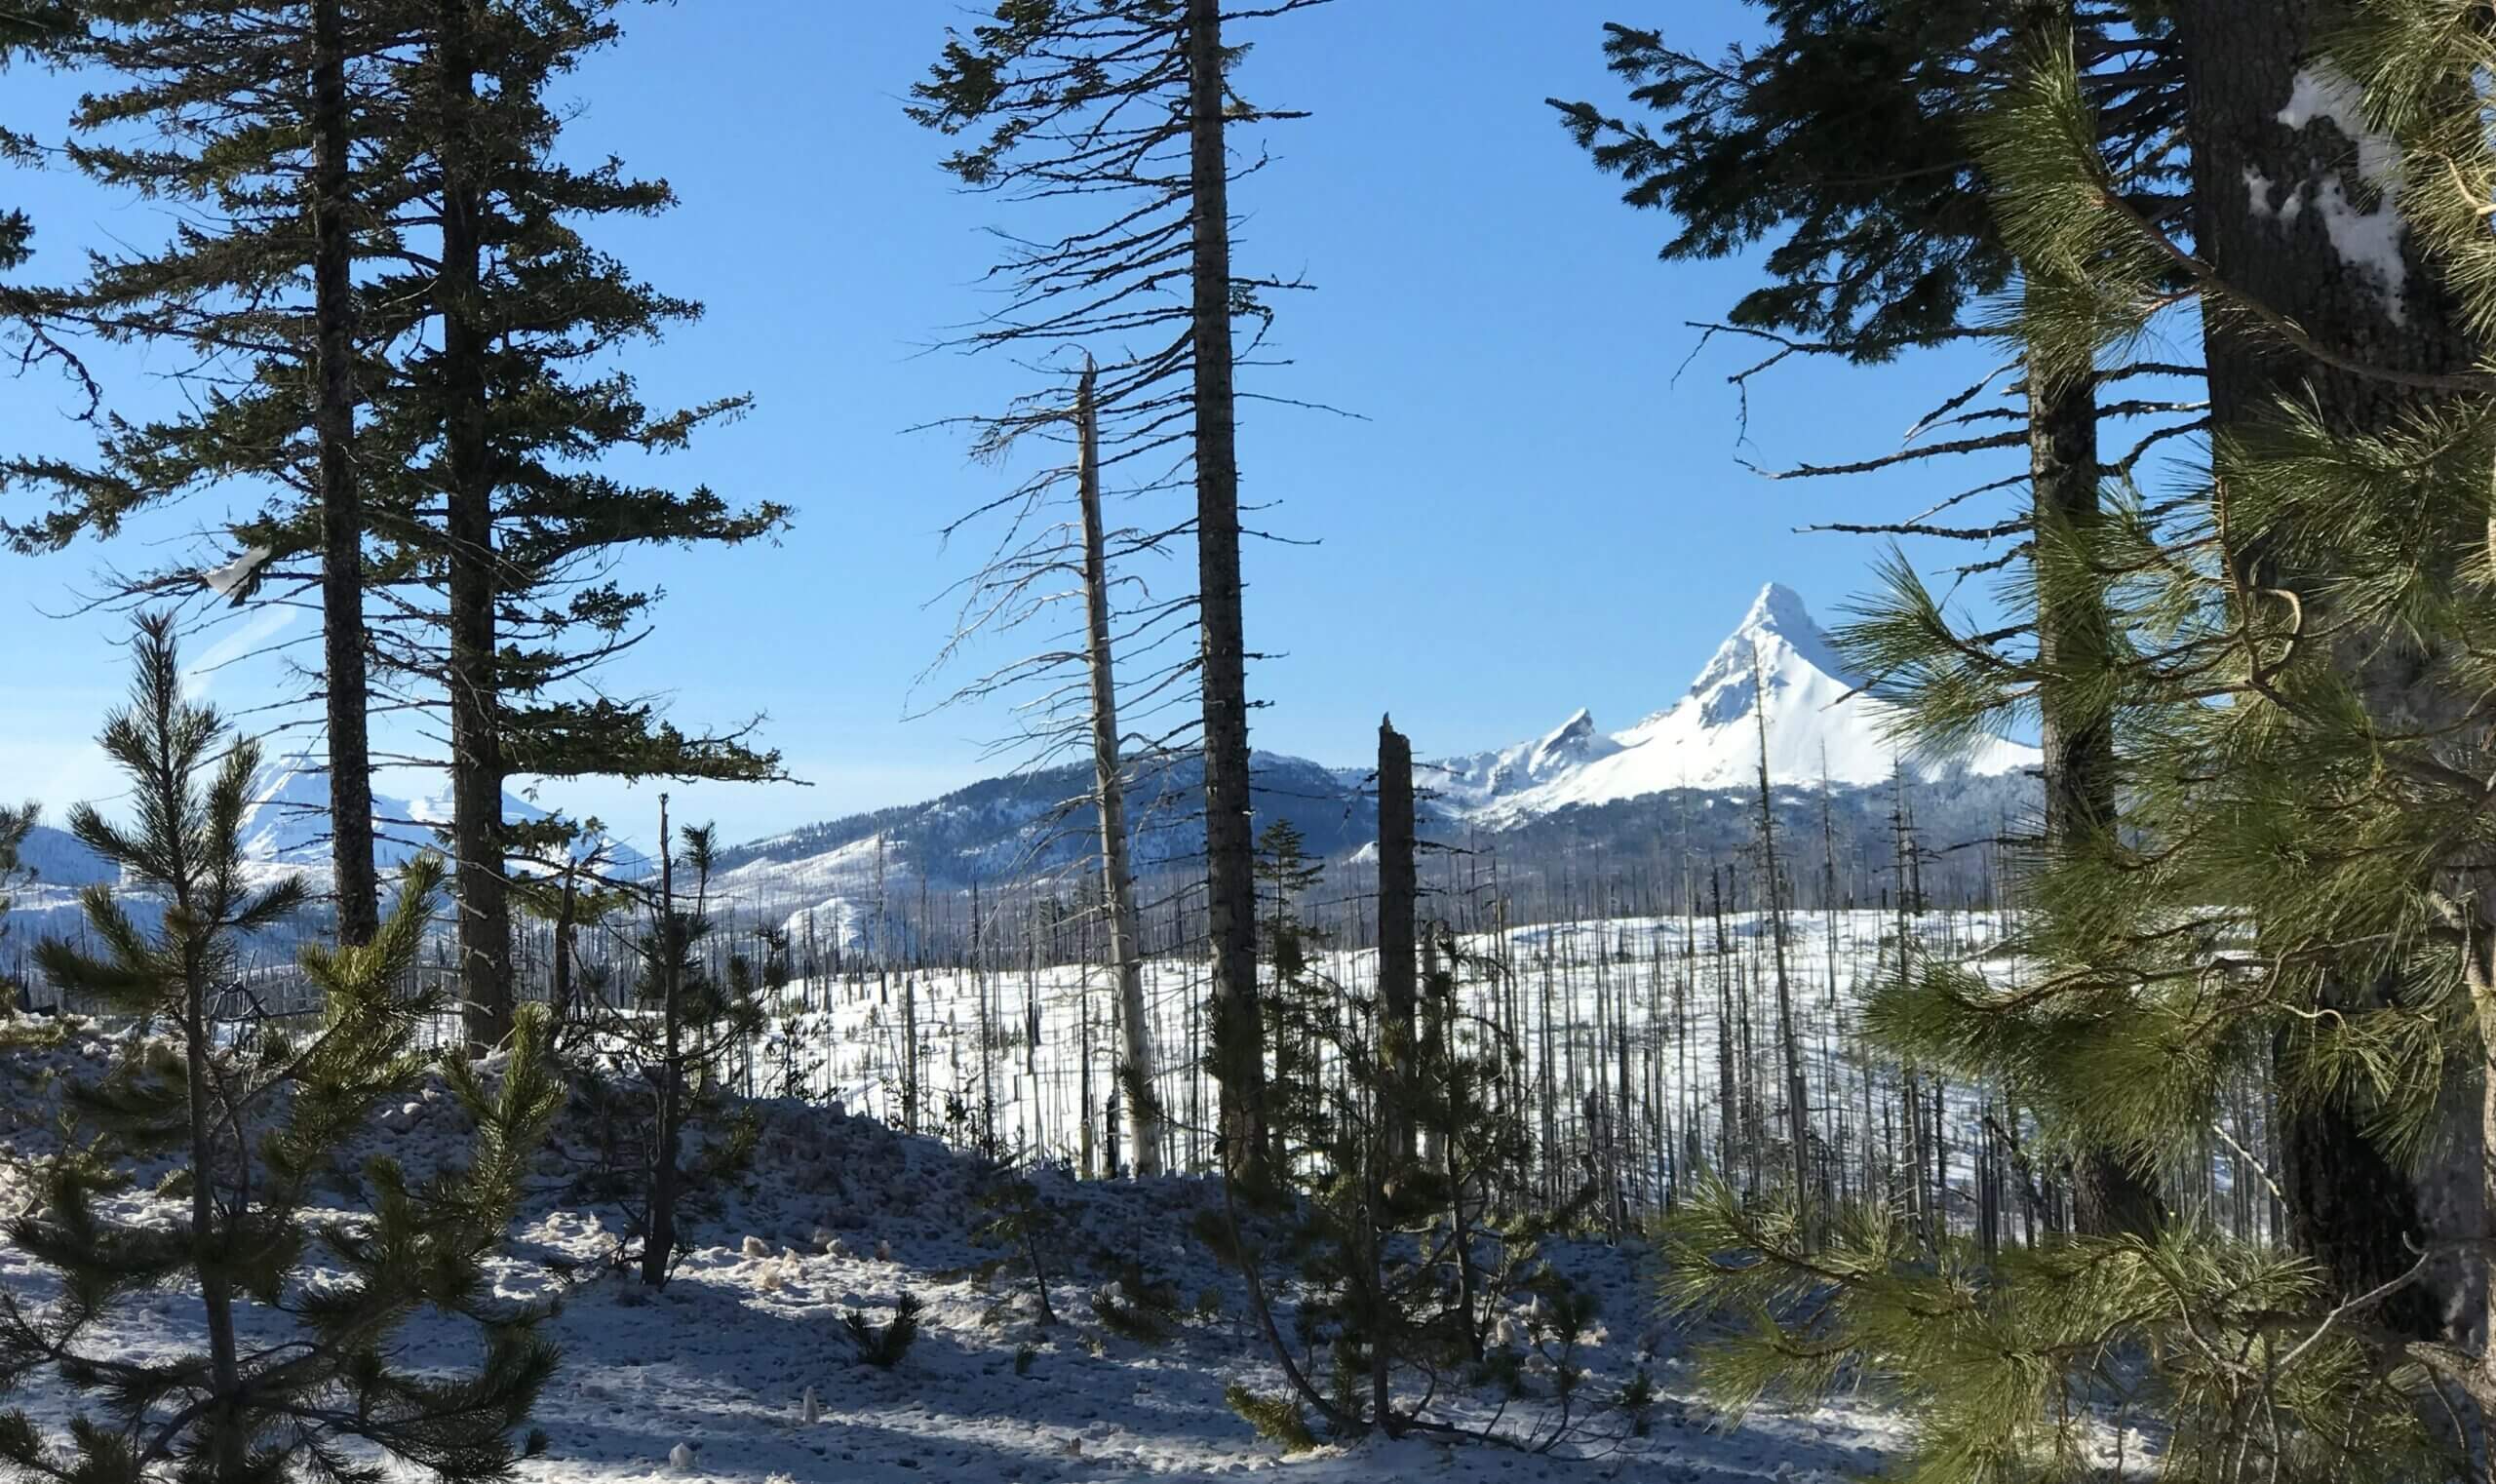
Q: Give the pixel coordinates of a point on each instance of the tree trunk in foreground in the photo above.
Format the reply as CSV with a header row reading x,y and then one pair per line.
x,y
1231,886
476,743
2350,1208
358,883
1126,939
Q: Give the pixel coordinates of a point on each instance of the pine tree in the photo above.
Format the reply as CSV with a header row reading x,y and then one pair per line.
x,y
273,125
346,695
1403,1253
509,492
1849,135
659,1068
2294,881
37,30
295,1375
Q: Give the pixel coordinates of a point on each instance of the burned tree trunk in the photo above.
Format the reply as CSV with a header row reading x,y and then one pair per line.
x,y
1137,1071
1231,886
1397,890
1798,1107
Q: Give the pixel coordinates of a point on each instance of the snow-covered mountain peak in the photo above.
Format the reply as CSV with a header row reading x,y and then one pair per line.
x,y
1779,639
1777,666
1573,741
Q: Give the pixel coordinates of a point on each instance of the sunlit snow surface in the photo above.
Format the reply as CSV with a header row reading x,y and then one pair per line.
x,y
717,1365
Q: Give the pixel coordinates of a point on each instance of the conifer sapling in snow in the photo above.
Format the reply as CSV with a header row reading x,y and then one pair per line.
x,y
1381,1214
300,1305
660,1070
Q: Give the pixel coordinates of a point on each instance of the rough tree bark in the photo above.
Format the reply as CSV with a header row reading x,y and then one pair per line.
x,y
358,883
476,744
1231,886
2109,1197
1399,888
2350,1208
1109,786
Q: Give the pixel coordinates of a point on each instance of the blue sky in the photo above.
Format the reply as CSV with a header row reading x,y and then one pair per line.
x,y
1530,513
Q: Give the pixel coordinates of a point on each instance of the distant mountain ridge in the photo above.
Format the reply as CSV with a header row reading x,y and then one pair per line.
x,y
1576,792
1575,783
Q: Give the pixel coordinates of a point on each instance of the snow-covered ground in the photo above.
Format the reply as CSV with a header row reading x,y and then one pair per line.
x,y
1037,1044
716,1368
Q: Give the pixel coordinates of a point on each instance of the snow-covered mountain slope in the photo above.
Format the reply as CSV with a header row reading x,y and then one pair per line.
x,y
848,883
290,820
1015,826
1778,663
1015,830
58,859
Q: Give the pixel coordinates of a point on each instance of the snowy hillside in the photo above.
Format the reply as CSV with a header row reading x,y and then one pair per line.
x,y
1706,742
1709,739
1021,827
289,819
57,859
740,1371
843,884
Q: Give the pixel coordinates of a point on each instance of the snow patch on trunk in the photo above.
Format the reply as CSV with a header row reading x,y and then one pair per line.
x,y
2365,239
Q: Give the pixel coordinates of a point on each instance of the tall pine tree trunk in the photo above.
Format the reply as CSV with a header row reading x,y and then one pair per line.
x,y
1231,886
476,743
1398,879
1126,937
359,889
2109,1197
2350,1208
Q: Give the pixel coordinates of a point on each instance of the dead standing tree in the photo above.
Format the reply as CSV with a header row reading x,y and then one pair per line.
x,y
1126,106
1118,875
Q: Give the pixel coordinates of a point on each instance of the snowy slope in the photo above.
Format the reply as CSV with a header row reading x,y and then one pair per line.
x,y
290,820
57,859
1709,739
717,1367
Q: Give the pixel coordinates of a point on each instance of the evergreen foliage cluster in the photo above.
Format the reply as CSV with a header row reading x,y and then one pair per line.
x,y
657,1070
1386,1216
2285,876
302,1302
